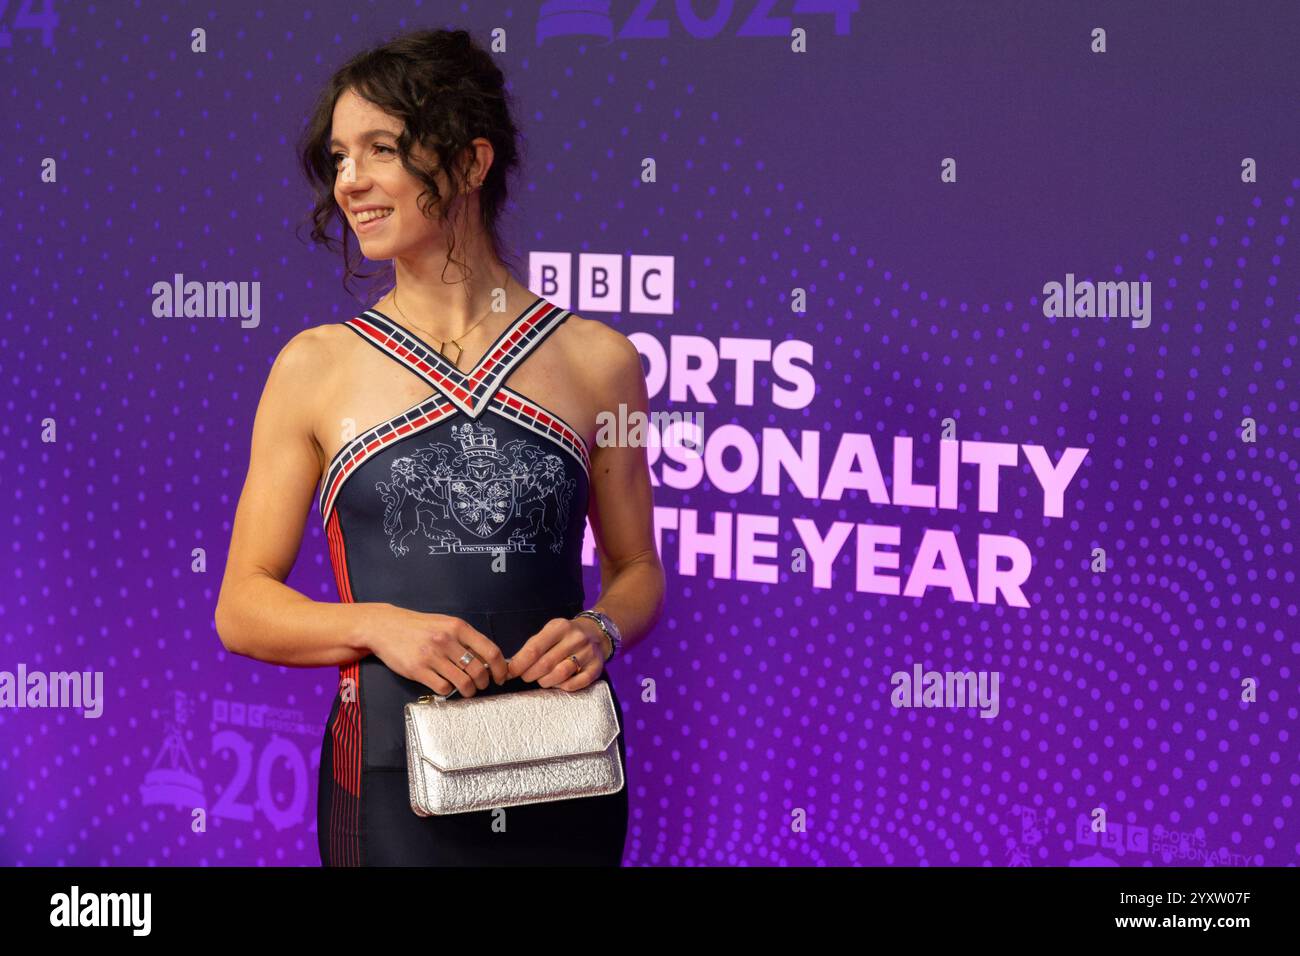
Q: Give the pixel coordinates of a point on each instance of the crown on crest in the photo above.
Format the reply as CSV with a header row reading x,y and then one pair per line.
x,y
474,437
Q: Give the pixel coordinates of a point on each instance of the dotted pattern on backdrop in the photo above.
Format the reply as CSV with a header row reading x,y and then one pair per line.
x,y
1122,690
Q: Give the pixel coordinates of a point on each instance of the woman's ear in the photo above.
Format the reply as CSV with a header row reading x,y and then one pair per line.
x,y
479,162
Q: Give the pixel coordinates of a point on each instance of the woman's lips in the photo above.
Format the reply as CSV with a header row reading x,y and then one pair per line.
x,y
373,224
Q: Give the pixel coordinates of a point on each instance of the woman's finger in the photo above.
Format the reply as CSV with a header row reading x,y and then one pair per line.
x,y
575,665
484,648
431,679
478,671
528,657
586,676
554,661
452,671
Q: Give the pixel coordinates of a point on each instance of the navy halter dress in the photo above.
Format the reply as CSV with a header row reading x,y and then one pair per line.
x,y
417,512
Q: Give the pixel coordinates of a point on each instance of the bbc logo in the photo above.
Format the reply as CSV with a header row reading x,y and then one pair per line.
x,y
600,281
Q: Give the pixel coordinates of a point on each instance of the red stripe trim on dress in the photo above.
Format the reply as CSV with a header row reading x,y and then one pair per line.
x,y
389,337
345,844
545,422
459,388
370,444
505,401
522,326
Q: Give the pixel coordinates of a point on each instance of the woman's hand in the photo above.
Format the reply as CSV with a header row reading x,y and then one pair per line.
x,y
427,648
547,656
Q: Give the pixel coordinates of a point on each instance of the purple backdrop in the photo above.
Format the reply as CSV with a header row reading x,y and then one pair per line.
x,y
771,737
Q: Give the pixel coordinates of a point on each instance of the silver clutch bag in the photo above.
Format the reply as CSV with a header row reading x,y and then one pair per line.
x,y
505,750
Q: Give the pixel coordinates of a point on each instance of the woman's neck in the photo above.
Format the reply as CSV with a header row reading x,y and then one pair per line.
x,y
446,311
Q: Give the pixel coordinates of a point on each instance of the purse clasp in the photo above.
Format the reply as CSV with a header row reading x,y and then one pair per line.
x,y
435,697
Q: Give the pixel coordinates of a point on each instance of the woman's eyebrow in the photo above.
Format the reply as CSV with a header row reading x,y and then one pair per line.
x,y
364,137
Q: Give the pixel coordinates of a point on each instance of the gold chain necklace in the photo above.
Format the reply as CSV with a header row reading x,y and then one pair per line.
x,y
459,349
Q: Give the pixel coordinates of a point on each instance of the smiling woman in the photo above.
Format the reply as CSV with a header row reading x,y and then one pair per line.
x,y
413,104
456,515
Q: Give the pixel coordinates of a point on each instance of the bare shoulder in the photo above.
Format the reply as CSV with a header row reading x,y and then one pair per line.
x,y
305,377
603,357
317,342
311,356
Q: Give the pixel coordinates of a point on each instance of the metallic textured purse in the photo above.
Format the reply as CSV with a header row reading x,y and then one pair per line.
x,y
508,749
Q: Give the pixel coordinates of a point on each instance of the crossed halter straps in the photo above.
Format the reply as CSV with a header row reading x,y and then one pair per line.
x,y
456,392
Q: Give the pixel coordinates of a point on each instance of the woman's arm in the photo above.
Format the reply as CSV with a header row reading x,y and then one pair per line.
x,y
257,615
621,510
622,504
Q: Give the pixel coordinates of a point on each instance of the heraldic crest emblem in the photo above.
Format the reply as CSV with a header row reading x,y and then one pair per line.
x,y
479,499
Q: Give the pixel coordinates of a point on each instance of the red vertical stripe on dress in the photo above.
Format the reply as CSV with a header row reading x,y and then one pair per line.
x,y
345,836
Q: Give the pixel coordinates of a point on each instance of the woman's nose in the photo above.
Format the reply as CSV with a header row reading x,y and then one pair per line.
x,y
347,171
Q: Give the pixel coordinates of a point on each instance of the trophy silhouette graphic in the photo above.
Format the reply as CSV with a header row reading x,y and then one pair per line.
x,y
172,779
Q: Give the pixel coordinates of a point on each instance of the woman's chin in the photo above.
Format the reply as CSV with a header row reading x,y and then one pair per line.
x,y
374,248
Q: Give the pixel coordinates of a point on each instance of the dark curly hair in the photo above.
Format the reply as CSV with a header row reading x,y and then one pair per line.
x,y
447,91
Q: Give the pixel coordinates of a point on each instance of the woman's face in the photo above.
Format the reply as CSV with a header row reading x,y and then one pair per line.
x,y
369,177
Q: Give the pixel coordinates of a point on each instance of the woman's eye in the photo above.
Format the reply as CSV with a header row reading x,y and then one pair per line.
x,y
336,157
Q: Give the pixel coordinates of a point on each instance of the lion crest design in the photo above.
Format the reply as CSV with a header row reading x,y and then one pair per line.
x,y
478,499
